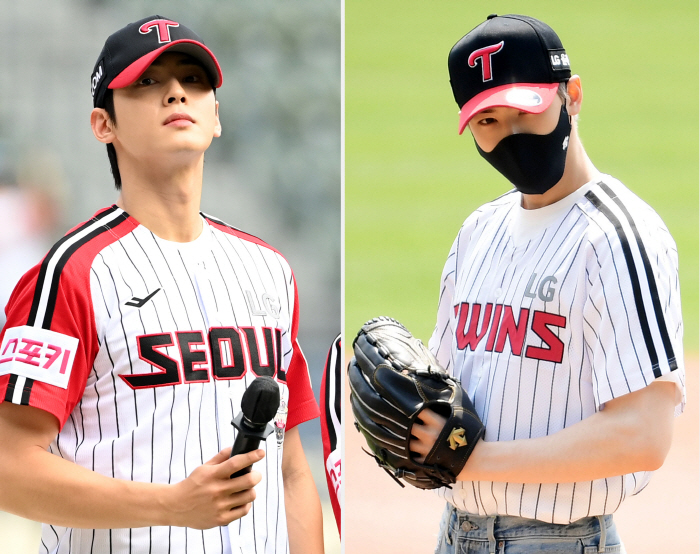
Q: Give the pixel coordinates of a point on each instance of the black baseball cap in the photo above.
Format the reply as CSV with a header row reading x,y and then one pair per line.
x,y
128,53
509,60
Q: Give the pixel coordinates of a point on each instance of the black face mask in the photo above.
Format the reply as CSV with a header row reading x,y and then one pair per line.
x,y
533,163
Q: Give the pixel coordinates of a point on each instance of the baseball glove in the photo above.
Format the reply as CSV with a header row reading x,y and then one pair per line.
x,y
393,377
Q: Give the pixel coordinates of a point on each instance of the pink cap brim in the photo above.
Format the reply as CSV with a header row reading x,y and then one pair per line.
x,y
526,97
134,71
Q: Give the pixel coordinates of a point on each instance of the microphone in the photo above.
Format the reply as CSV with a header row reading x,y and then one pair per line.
x,y
259,405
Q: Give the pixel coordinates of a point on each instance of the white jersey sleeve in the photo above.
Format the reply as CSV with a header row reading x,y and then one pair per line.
x,y
633,326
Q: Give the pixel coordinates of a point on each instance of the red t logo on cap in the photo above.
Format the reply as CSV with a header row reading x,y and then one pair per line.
x,y
484,54
163,28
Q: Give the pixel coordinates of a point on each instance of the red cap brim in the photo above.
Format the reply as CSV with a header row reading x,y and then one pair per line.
x,y
526,97
187,46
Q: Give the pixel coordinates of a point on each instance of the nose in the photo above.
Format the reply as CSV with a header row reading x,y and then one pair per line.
x,y
513,124
175,93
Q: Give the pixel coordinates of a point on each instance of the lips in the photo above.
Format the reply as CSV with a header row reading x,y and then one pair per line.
x,y
178,119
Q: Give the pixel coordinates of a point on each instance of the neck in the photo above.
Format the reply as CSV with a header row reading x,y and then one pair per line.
x,y
163,198
578,171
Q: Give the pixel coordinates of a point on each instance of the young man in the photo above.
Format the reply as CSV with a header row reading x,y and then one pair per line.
x,y
559,312
128,348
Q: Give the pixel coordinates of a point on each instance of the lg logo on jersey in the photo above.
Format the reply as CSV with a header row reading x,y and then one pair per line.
x,y
545,290
232,352
268,305
498,322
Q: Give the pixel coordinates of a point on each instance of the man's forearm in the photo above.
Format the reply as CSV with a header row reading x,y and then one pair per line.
x,y
301,501
41,486
633,433
304,517
47,488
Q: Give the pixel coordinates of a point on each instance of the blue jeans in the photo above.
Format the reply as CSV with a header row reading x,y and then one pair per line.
x,y
464,533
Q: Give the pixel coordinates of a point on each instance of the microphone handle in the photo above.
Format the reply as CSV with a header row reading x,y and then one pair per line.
x,y
244,443
247,439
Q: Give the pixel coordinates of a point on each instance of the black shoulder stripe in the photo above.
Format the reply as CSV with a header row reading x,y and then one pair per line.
x,y
26,391
634,278
218,221
55,277
24,382
658,311
45,263
53,294
10,388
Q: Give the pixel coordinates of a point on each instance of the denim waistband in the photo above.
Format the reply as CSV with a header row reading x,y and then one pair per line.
x,y
500,527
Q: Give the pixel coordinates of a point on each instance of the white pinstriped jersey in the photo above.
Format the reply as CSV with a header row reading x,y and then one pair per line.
x,y
156,342
544,316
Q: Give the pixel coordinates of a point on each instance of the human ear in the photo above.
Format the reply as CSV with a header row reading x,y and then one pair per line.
x,y
575,92
102,125
217,127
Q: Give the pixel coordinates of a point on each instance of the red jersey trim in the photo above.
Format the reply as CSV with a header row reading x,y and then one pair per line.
x,y
55,294
330,403
221,226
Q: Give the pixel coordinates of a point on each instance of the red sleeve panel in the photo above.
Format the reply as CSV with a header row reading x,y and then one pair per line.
x,y
302,403
330,425
49,342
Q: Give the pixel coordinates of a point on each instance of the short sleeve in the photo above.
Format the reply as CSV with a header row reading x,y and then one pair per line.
x,y
302,404
633,325
49,341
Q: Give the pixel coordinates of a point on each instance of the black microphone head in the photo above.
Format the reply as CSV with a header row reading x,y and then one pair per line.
x,y
260,400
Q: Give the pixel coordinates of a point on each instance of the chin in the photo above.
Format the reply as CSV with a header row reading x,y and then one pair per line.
x,y
188,145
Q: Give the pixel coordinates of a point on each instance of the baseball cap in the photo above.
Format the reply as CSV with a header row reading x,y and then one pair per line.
x,y
509,60
128,53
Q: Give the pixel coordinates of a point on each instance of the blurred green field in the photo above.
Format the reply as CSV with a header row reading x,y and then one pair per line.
x,y
410,180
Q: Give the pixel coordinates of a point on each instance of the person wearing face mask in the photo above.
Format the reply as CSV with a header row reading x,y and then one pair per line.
x,y
559,313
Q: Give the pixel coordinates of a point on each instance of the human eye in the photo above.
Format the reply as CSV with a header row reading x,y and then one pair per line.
x,y
146,81
485,121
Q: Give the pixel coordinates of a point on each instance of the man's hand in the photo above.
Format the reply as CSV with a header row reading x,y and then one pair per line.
x,y
424,435
392,378
209,497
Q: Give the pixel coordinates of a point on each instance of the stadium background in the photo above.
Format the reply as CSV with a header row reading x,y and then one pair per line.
x,y
274,173
410,182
